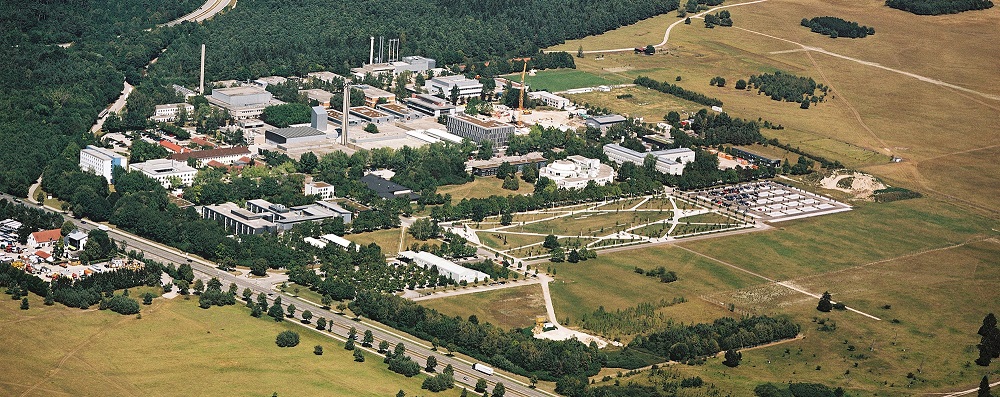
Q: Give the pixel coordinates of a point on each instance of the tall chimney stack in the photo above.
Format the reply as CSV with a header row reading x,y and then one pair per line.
x,y
201,84
371,51
347,109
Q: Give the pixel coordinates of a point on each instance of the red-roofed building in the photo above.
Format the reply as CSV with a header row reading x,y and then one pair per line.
x,y
173,147
224,156
203,142
44,238
43,256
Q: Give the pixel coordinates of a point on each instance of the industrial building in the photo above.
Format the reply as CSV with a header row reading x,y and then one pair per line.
x,y
318,95
467,88
326,77
549,99
387,189
369,115
489,167
670,161
442,135
575,172
163,170
168,112
293,135
236,219
261,216
101,161
265,81
444,267
322,189
374,95
430,105
242,102
604,122
336,117
755,158
415,64
398,111
226,156
478,130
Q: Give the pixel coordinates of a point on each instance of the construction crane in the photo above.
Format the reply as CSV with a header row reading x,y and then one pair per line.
x,y
520,100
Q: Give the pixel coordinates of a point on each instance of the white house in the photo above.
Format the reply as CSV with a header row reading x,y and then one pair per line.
x,y
576,171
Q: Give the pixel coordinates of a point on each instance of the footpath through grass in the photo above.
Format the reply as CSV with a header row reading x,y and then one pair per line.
x,y
176,346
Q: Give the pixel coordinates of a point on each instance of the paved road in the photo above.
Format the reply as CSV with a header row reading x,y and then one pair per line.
x,y
206,11
116,106
415,348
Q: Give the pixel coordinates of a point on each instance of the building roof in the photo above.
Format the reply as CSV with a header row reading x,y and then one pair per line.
x,y
296,132
163,166
395,107
47,236
173,147
212,153
42,254
444,265
533,157
458,80
238,91
609,119
430,101
368,112
385,188
317,94
77,235
102,152
480,122
373,92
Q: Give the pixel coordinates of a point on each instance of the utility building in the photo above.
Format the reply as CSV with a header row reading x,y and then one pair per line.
x,y
444,267
478,130
670,161
467,88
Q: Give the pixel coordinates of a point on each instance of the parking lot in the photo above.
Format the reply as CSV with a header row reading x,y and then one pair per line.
x,y
771,201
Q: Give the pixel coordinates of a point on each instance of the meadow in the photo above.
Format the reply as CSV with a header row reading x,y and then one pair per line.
x,y
483,187
508,308
564,79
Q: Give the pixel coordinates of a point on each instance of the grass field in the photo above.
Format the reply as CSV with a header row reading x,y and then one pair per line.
x,y
870,112
564,79
388,239
483,187
585,224
176,346
514,307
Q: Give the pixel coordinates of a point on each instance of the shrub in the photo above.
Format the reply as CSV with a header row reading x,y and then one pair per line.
x,y
287,339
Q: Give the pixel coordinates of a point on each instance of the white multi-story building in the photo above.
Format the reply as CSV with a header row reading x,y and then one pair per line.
x,y
168,112
575,172
670,161
467,88
444,267
478,130
242,102
101,161
322,189
163,170
549,99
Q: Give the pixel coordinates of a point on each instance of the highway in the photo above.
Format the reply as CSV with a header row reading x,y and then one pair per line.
x,y
415,348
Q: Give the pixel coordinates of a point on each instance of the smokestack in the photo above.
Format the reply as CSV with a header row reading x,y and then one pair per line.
x,y
381,47
371,51
347,109
201,84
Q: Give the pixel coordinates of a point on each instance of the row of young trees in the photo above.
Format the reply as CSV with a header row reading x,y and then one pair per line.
x,y
676,91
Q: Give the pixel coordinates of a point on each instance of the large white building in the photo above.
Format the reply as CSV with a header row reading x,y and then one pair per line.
x,y
478,130
467,88
549,99
322,189
670,161
101,161
163,170
243,102
168,112
445,267
575,172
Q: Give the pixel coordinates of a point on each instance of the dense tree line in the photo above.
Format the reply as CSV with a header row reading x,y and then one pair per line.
x,y
85,291
787,87
295,39
721,18
797,390
989,345
676,91
286,114
635,320
681,343
939,7
514,350
836,27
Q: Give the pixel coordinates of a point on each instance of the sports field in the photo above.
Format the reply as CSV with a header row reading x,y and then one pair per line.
x,y
563,79
174,348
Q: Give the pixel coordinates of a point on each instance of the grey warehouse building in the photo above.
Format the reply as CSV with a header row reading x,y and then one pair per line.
x,y
284,136
478,130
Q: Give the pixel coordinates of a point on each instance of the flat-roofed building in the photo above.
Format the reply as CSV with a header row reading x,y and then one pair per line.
x,y
374,95
755,158
101,161
430,105
398,111
293,135
604,122
416,64
326,77
467,88
336,117
387,189
318,95
242,102
265,81
478,130
322,189
575,172
444,267
443,135
343,242
238,220
168,112
549,99
165,170
285,217
369,115
226,156
670,161
489,167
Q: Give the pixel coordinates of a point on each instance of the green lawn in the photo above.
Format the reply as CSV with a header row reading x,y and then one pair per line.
x,y
565,79
387,239
176,347
514,307
591,223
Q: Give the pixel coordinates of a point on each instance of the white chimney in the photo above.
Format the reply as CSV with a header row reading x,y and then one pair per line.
x,y
201,84
371,51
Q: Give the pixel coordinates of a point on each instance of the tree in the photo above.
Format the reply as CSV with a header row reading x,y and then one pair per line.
x,y
368,339
499,390
733,358
67,228
529,173
551,242
359,356
741,84
650,50
533,380
432,362
401,394
480,385
287,339
510,183
825,304
424,228
282,116
147,298
453,95
371,128
275,312
306,316
199,287
326,301
383,346
558,255
291,311
506,218
49,300
24,303
485,150
687,21
804,104
318,350
984,387
321,324
349,345
247,294
308,162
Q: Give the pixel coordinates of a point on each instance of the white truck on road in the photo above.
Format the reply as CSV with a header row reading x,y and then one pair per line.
x,y
482,368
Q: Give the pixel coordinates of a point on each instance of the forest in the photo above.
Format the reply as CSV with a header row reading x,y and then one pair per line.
x,y
677,91
780,86
939,7
836,27
273,37
685,342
